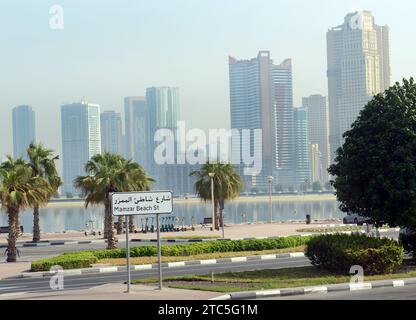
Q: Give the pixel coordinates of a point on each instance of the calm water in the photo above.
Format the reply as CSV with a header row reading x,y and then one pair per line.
x,y
60,218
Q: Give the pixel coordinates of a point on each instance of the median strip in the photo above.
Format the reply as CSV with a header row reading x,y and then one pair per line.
x,y
165,265
317,289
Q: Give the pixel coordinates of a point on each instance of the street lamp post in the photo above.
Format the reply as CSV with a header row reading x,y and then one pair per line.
x,y
270,179
211,175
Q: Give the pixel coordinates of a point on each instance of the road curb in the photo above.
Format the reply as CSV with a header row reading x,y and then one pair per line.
x,y
96,270
391,283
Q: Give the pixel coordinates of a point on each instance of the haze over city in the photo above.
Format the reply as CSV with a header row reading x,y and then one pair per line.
x,y
105,52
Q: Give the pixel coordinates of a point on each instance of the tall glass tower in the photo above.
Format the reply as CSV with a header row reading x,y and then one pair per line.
x,y
81,139
358,68
23,130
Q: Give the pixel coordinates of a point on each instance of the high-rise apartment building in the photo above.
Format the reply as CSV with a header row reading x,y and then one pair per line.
x,y
162,108
261,98
23,129
136,136
81,139
318,124
302,147
111,132
358,68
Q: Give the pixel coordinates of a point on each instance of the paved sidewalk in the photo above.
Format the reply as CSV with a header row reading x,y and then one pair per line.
x,y
13,269
116,292
231,231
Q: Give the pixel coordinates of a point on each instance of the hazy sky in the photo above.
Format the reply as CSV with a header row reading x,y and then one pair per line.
x,y
110,49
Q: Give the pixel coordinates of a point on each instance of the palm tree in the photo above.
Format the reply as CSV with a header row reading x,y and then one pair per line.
x,y
42,162
19,189
107,173
227,184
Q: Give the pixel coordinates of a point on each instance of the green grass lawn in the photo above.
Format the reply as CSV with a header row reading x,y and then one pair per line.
x,y
270,279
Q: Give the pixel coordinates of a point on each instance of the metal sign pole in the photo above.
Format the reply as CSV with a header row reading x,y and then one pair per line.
x,y
159,252
127,254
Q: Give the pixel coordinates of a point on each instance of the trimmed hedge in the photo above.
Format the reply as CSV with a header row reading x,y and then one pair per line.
x,y
84,259
339,252
66,261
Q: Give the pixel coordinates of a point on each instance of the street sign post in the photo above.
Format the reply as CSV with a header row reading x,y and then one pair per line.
x,y
142,203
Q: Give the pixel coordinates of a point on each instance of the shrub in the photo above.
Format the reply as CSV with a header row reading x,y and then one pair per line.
x,y
408,241
339,252
66,261
85,258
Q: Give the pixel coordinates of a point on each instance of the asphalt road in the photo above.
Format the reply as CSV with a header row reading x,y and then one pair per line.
x,y
8,286
398,293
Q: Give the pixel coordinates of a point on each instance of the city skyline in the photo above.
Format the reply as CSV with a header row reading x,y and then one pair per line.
x,y
51,80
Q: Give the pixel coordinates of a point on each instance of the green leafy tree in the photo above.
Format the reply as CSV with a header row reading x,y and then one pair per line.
x,y
227,185
19,189
107,173
42,161
375,169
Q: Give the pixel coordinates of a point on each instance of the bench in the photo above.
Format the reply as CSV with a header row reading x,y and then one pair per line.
x,y
206,222
6,229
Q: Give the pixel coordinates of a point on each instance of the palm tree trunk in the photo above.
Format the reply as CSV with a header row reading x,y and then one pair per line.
x,y
131,224
13,234
120,225
217,214
36,224
105,232
111,243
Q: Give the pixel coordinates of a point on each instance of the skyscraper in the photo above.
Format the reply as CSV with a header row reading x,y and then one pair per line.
x,y
81,139
136,135
318,131
162,105
284,122
261,98
302,147
23,130
111,132
358,68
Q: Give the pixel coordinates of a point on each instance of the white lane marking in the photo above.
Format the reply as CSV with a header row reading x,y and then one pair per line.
x,y
267,293
211,261
5,288
268,256
398,283
297,254
176,264
143,267
239,259
108,269
316,289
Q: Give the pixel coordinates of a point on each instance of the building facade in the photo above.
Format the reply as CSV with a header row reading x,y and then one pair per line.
x,y
358,68
24,130
302,148
136,137
81,139
318,125
111,132
261,98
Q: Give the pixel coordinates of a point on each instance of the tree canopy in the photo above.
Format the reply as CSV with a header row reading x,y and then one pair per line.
x,y
375,169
